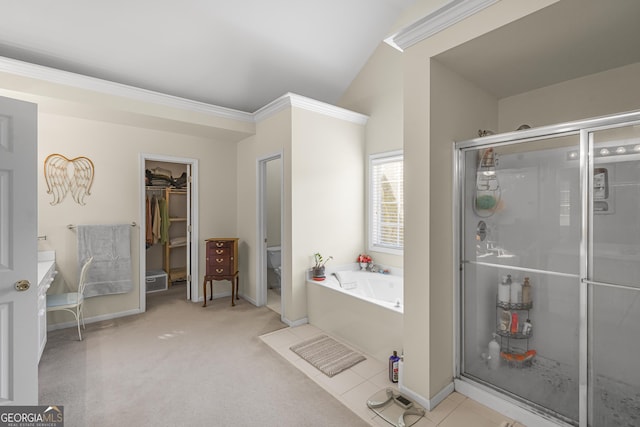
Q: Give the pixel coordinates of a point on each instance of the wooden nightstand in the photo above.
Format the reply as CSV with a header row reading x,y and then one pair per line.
x,y
221,264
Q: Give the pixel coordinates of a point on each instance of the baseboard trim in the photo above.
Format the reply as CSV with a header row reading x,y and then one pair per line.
x,y
428,404
294,323
250,300
94,319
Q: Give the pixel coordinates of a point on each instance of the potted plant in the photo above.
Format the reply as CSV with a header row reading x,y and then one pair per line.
x,y
318,268
364,260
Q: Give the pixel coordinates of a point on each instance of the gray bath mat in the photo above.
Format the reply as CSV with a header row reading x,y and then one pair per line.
x,y
327,355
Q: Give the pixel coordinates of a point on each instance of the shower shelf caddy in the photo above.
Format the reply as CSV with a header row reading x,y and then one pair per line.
x,y
506,345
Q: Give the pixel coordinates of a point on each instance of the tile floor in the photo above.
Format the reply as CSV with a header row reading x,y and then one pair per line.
x,y
356,385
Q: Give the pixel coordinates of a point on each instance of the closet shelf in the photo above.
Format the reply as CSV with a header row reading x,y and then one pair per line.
x,y
175,249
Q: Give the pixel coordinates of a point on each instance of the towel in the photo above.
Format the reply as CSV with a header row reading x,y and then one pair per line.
x,y
110,247
346,279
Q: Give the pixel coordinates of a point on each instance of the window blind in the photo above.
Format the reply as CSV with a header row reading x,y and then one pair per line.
x,y
387,202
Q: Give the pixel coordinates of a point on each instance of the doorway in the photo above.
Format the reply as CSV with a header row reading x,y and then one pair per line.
x,y
270,232
168,245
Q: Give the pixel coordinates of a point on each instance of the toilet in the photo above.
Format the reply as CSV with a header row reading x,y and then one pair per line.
x,y
273,267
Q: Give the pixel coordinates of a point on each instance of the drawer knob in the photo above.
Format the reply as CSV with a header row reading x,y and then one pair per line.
x,y
219,244
219,270
219,251
219,259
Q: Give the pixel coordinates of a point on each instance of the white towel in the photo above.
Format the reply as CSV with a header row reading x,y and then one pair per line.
x,y
346,279
110,247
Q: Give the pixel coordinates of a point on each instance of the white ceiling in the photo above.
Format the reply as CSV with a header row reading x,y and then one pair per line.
x,y
239,54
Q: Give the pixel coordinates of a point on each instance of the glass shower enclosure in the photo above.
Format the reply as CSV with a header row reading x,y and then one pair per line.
x,y
548,232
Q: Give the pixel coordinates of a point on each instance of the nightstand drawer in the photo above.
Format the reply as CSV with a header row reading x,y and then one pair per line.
x,y
222,270
219,244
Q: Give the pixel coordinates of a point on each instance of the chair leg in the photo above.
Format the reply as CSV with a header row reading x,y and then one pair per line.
x,y
78,314
79,333
82,315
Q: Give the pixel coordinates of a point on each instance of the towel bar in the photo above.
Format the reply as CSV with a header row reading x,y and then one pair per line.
x,y
71,226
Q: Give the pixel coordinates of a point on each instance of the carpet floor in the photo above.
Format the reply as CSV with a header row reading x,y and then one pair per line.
x,y
180,364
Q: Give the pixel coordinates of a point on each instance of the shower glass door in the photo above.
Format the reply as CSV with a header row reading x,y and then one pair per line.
x,y
521,220
614,277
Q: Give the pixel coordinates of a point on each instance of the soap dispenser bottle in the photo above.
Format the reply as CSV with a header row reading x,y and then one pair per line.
x,y
494,353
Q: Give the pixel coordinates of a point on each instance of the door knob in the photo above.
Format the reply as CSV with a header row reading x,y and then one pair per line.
x,y
22,285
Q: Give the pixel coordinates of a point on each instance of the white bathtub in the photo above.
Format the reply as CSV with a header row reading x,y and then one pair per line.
x,y
369,317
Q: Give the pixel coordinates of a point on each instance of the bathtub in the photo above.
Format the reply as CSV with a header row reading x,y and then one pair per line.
x,y
369,317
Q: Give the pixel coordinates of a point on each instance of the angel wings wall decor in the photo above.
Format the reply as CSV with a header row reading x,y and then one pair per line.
x,y
64,176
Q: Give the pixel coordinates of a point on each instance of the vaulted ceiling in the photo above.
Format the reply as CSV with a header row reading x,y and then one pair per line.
x,y
238,54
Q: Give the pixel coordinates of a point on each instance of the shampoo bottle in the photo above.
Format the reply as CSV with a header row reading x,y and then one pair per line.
x,y
504,289
526,291
516,293
494,353
394,360
514,322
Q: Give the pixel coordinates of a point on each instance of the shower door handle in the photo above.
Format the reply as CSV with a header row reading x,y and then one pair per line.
x,y
611,285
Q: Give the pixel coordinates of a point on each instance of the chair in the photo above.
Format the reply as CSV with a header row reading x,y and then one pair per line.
x,y
71,301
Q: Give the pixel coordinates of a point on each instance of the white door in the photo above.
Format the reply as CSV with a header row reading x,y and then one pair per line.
x,y
18,253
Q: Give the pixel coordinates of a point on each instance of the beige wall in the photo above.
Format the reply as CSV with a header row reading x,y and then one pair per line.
x,y
115,195
327,196
377,92
609,92
273,135
458,110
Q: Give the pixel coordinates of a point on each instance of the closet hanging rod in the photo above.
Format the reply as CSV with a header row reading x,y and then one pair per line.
x,y
71,226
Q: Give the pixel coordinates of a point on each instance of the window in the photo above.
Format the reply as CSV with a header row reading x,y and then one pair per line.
x,y
386,203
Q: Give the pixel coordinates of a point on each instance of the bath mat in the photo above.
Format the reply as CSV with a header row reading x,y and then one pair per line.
x,y
327,355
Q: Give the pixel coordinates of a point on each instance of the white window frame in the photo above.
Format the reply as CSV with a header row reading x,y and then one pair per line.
x,y
374,159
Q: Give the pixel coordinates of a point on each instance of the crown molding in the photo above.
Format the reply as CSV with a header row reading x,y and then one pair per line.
x,y
438,20
52,75
292,100
79,81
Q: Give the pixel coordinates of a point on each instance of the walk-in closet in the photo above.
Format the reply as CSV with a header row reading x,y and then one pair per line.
x,y
167,225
